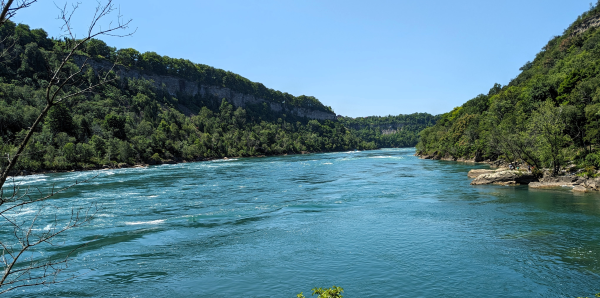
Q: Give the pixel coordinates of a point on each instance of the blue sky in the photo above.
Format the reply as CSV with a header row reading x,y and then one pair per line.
x,y
362,58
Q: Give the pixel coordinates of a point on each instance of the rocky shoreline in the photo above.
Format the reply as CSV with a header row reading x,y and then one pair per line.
x,y
504,176
512,177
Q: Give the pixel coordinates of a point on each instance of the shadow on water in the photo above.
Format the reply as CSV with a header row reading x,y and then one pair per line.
x,y
90,243
132,276
195,222
59,252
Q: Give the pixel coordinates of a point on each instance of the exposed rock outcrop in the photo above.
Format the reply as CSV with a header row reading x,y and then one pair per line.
x,y
384,128
593,184
554,182
586,25
549,185
478,172
505,178
175,86
578,184
434,156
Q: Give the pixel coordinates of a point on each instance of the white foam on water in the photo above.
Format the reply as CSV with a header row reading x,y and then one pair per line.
x,y
17,213
105,215
225,160
152,222
24,180
387,157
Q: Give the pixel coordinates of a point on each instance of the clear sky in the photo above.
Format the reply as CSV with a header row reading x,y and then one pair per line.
x,y
362,58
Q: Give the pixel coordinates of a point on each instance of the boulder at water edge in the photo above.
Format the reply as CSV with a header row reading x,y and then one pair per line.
x,y
478,172
505,178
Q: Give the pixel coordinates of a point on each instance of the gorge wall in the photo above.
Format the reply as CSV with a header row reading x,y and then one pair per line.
x,y
177,86
386,129
586,25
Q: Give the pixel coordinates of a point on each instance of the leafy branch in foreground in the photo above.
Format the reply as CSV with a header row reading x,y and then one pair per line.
x,y
333,292
597,295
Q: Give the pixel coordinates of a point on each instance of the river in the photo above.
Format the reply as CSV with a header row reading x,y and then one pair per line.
x,y
377,223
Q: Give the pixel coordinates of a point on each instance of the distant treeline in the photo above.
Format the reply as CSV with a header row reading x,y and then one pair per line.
x,y
390,131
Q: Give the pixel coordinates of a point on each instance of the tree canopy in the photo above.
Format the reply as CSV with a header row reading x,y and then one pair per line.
x,y
547,116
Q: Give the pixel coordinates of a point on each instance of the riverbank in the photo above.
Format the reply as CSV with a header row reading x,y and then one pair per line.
x,y
115,165
511,177
503,176
491,163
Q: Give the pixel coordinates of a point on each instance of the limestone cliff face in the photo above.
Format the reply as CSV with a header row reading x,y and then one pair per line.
x,y
386,129
588,24
390,131
175,86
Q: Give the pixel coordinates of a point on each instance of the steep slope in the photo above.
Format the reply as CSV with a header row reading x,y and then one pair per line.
x,y
196,84
547,116
158,109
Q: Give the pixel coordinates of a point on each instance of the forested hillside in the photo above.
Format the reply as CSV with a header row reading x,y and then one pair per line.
x,y
548,116
390,131
132,120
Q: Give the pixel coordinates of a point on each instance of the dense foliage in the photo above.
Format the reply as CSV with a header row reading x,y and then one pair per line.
x,y
548,116
131,121
390,131
333,292
152,63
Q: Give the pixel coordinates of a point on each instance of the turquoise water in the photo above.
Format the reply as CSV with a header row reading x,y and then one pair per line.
x,y
377,223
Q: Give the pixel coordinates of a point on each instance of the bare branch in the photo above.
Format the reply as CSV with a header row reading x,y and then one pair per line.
x,y
21,265
57,86
10,8
22,277
66,15
53,193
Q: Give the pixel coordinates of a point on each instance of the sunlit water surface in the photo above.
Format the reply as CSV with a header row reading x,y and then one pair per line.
x,y
377,223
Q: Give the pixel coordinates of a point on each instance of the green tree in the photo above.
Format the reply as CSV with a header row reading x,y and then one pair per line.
x,y
32,61
116,125
333,292
98,48
59,119
70,153
547,126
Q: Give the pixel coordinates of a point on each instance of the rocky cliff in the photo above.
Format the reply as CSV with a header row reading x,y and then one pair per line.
x,y
178,86
586,25
386,129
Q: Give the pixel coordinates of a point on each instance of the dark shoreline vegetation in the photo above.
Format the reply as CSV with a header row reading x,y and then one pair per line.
x,y
132,121
548,116
164,162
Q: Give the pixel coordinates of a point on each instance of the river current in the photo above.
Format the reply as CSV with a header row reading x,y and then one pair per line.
x,y
378,223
